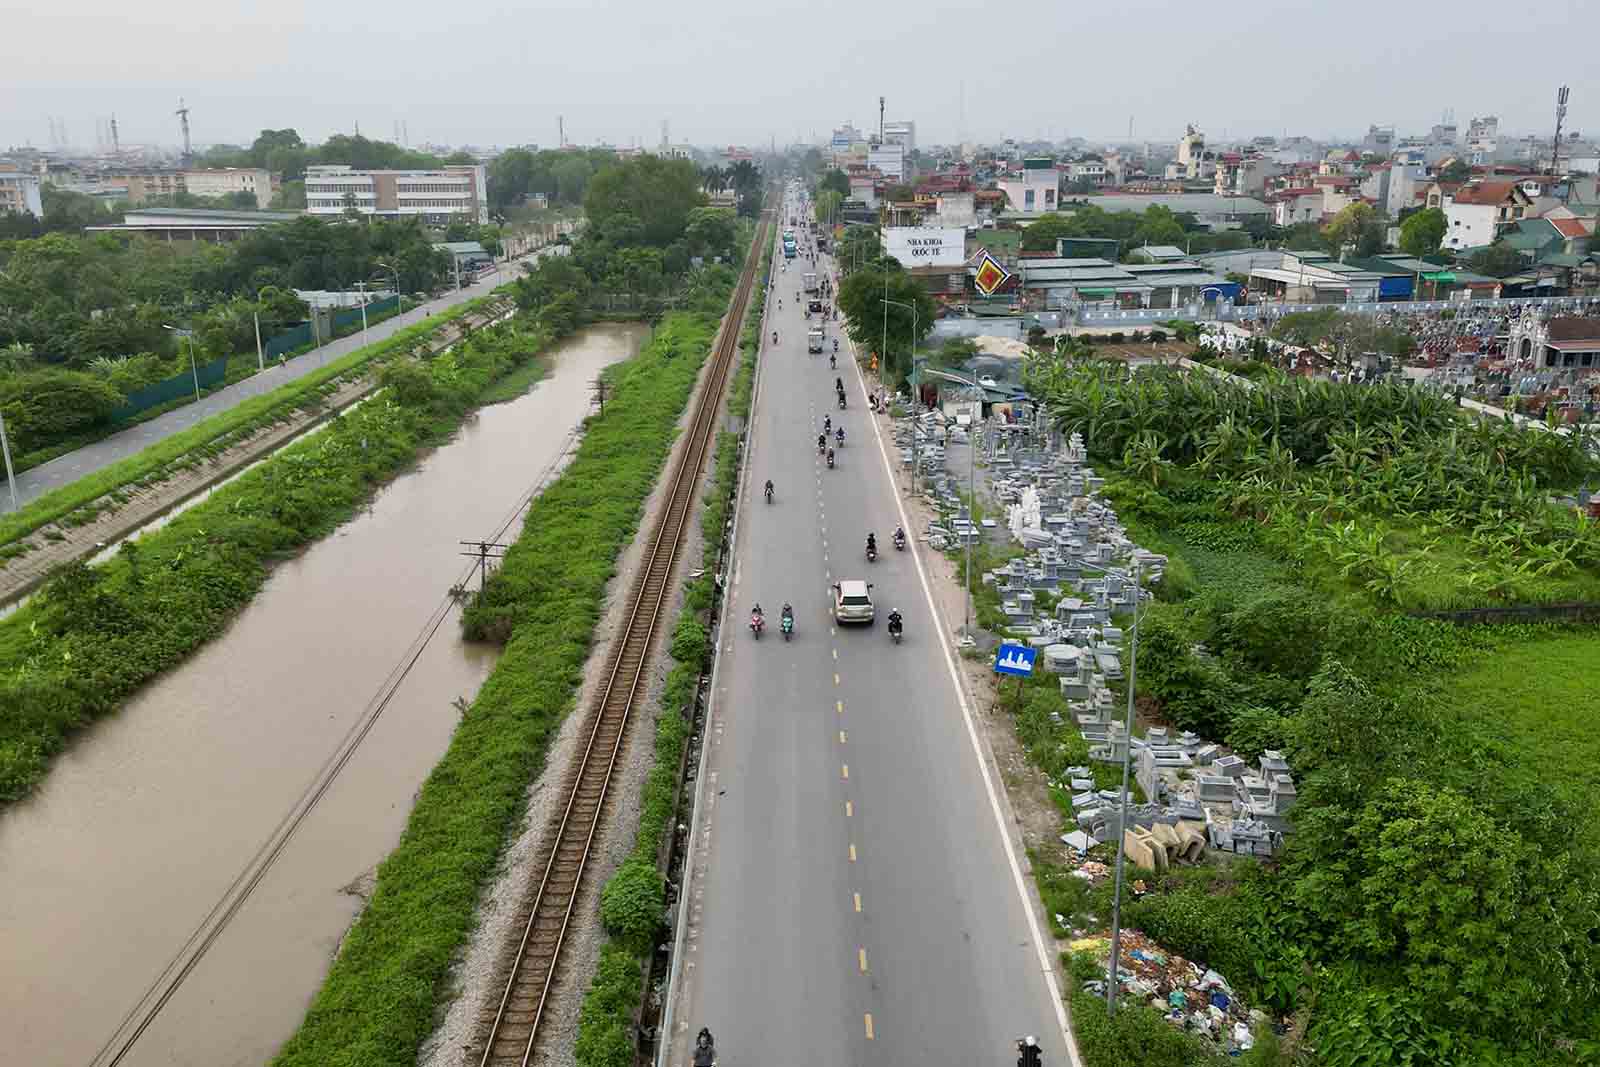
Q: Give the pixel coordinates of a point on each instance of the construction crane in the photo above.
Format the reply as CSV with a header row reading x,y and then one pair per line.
x,y
183,117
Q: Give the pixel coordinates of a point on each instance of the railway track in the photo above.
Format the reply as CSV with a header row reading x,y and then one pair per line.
x,y
510,1038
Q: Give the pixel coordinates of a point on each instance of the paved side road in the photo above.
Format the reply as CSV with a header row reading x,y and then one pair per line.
x,y
90,458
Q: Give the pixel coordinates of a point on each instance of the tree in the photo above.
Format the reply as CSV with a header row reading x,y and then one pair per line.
x,y
1347,226
572,174
1421,233
1459,170
1041,234
46,406
835,180
861,297
1499,260
270,141
859,245
826,204
711,231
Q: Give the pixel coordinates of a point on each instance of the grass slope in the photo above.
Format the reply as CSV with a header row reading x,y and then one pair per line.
x,y
380,998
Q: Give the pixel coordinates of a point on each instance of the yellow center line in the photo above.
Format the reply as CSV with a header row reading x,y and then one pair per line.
x,y
836,679
861,957
852,853
836,653
849,809
840,705
869,1026
846,770
842,737
858,901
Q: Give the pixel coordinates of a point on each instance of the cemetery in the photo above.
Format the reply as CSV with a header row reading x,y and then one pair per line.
x,y
1291,721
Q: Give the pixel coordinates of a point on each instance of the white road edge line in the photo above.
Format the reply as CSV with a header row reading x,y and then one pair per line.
x,y
1045,966
664,1038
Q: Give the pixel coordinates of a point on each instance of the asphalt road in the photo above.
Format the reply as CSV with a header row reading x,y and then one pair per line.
x,y
90,458
859,904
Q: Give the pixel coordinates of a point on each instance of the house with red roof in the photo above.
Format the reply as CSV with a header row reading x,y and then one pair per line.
x,y
1479,211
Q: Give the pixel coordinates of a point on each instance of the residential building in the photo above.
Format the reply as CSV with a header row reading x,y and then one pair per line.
x,y
1483,137
1243,174
19,192
888,160
903,134
844,137
864,187
224,182
1034,189
1091,169
455,192
956,208
1191,154
1478,212
1291,206
1379,141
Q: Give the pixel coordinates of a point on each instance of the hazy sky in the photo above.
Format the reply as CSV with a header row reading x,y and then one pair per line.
x,y
742,73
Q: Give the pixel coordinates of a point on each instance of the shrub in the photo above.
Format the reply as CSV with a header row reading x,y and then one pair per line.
x,y
46,406
631,904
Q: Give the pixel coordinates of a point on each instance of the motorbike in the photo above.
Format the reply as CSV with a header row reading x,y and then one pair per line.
x,y
833,360
839,435
841,401
786,624
774,336
769,494
899,540
705,1051
872,553
757,624
895,630
830,459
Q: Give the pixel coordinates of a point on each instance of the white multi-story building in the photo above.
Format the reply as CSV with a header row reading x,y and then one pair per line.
x,y
455,192
903,134
888,160
258,183
19,192
1477,213
1035,189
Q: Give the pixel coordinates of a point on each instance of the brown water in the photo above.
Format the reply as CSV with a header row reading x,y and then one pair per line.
x,y
139,830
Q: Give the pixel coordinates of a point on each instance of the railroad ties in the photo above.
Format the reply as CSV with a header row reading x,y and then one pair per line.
x,y
510,1037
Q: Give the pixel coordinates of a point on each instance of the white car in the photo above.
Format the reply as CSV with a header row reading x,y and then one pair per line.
x,y
852,601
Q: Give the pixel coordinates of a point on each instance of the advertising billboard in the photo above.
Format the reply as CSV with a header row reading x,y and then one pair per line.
x,y
927,246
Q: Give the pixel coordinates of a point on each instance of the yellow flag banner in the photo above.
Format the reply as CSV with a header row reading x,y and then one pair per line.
x,y
991,275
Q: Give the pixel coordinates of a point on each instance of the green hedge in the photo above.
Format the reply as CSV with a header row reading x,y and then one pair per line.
x,y
381,996
216,433
94,635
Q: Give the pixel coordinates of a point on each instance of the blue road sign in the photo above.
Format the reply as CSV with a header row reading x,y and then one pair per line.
x,y
1014,659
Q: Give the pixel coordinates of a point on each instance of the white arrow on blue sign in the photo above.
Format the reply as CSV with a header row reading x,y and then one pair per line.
x,y
1014,659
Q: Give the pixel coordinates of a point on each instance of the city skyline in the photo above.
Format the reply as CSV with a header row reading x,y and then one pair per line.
x,y
1081,74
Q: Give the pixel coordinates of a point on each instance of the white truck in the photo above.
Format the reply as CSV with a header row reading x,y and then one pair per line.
x,y
814,339
811,282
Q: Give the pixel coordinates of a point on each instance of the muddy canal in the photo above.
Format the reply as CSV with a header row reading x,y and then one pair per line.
x,y
143,826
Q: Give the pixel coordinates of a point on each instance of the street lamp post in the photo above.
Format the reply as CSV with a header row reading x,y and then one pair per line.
x,y
1127,761
398,295
193,368
361,287
972,486
5,448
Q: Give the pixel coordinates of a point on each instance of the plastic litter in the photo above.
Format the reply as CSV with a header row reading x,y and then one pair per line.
x,y
1219,1000
1242,1037
1178,999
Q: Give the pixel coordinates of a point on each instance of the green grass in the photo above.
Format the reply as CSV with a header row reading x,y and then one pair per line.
x,y
216,432
94,635
1541,696
517,382
381,997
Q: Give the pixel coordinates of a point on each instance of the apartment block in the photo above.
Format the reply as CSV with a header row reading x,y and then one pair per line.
x,y
19,192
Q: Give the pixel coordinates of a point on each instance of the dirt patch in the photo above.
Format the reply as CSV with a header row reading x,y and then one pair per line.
x,y
479,976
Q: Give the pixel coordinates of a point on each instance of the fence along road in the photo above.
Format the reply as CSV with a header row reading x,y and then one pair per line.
x,y
511,1035
63,470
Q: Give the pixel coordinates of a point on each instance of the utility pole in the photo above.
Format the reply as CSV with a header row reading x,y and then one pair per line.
x,y
600,393
1561,117
483,552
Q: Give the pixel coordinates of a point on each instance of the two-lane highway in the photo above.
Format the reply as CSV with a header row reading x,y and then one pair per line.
x,y
856,902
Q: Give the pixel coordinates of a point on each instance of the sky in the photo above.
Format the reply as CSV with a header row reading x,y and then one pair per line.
x,y
719,73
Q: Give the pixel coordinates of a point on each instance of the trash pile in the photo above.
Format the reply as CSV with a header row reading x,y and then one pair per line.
x,y
1190,995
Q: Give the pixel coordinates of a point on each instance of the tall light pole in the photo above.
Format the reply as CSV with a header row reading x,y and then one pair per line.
x,y
193,369
972,485
398,295
1127,761
5,448
361,287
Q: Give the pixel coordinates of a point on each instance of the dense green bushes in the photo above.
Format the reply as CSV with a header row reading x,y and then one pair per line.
x,y
221,431
95,634
543,603
45,405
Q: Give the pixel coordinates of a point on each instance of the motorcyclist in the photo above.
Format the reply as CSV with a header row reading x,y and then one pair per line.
x,y
899,533
786,620
830,457
839,436
833,358
1028,1054
774,336
769,490
705,1050
872,544
836,344
838,385
822,441
827,424
895,621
